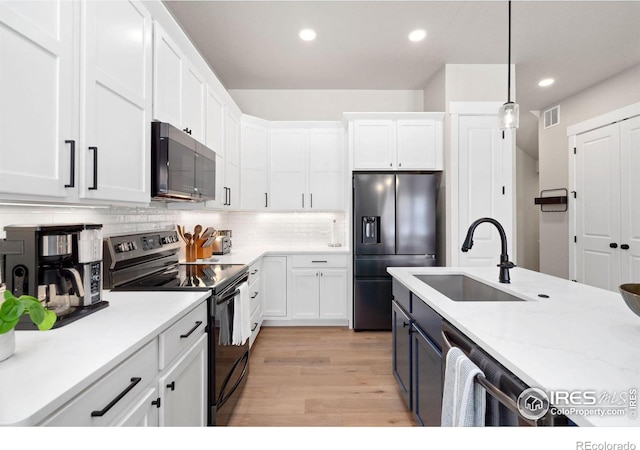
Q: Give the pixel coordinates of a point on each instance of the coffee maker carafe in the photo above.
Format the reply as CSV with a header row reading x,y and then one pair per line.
x,y
61,265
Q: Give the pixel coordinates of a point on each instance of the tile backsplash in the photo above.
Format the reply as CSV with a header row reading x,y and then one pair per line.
x,y
249,228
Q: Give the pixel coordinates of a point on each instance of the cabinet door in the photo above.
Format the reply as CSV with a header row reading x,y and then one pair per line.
x,y
274,278
427,379
326,169
401,329
304,293
193,102
183,389
374,144
630,196
416,144
37,90
214,139
288,169
116,103
484,188
598,207
144,412
231,189
253,144
333,294
168,71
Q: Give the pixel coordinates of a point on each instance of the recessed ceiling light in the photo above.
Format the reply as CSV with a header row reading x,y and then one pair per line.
x,y
307,34
417,35
546,82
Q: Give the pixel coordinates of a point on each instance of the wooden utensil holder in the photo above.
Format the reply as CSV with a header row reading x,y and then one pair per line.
x,y
204,252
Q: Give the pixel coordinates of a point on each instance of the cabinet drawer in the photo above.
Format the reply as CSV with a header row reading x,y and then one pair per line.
x,y
182,334
427,319
256,324
255,271
402,295
255,299
319,261
112,395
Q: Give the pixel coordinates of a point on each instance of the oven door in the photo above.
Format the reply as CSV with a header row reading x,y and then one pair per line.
x,y
231,361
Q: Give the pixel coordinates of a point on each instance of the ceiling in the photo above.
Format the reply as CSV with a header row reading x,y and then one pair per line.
x,y
364,45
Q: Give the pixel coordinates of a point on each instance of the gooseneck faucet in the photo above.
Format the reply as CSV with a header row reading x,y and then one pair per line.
x,y
505,264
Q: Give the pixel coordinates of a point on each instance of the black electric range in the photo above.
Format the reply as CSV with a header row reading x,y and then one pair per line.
x,y
149,262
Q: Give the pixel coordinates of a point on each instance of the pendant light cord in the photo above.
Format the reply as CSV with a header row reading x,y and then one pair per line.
x,y
509,60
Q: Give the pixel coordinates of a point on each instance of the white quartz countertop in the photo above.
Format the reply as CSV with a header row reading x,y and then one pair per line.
x,y
48,368
581,338
248,254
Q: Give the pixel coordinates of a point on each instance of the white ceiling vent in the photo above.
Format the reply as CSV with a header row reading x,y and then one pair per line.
x,y
552,117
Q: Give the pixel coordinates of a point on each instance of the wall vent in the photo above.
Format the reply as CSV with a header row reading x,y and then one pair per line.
x,y
552,117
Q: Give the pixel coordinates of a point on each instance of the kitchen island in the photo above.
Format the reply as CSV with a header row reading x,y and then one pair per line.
x,y
574,338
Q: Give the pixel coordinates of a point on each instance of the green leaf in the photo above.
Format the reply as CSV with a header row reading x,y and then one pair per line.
x,y
11,309
49,319
7,325
8,295
36,314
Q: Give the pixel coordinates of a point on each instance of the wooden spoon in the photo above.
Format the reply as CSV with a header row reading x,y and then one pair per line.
x,y
181,233
196,232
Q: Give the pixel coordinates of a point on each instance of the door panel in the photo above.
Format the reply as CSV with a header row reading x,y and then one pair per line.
x,y
480,188
598,207
374,214
630,199
415,214
402,351
372,304
427,379
333,294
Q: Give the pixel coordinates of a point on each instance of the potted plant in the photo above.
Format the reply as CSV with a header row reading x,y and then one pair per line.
x,y
10,312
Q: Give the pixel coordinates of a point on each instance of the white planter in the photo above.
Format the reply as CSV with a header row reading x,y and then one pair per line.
x,y
7,344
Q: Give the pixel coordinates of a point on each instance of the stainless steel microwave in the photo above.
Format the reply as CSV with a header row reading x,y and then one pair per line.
x,y
182,169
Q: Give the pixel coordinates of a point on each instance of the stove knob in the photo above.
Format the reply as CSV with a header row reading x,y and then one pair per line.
x,y
95,277
119,248
134,246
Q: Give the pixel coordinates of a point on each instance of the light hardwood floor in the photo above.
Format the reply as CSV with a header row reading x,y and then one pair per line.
x,y
321,376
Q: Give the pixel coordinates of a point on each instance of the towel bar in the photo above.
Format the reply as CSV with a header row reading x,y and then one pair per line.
x,y
491,389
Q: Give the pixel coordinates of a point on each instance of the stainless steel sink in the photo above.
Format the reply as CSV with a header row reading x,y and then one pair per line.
x,y
461,288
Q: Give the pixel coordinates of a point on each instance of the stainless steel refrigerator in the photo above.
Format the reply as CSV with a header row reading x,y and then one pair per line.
x,y
394,225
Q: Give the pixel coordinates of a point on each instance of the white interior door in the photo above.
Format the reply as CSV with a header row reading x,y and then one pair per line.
x,y
630,200
484,188
598,207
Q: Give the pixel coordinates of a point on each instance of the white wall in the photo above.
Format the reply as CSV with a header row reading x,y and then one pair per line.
x,y
434,92
297,104
527,213
613,93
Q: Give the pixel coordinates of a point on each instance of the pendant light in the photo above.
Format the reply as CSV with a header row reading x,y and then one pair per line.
x,y
509,113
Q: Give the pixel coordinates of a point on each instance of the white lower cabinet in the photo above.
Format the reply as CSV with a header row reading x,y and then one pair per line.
x,y
255,297
141,392
274,279
317,287
183,399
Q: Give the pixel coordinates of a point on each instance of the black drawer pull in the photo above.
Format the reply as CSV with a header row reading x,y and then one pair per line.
x,y
319,261
72,166
624,246
198,323
253,328
613,245
172,386
156,403
103,411
254,272
255,294
95,168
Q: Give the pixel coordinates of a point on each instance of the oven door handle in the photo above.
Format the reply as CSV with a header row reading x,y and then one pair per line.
x,y
225,396
231,291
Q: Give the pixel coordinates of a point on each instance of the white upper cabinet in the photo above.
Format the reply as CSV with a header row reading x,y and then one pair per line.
x,y
179,94
116,102
214,139
36,88
254,141
231,186
306,167
400,141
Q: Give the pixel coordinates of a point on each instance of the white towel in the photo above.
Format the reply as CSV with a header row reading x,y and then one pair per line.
x,y
463,400
241,316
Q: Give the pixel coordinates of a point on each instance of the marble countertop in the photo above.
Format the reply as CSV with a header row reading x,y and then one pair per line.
x,y
53,366
581,338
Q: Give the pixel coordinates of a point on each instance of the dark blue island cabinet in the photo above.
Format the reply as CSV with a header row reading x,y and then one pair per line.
x,y
417,355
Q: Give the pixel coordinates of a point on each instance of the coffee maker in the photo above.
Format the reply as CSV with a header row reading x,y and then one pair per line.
x,y
61,265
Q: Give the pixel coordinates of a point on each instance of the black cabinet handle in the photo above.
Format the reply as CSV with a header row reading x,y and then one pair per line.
x,y
103,411
95,168
311,205
624,246
613,245
229,203
303,200
156,403
253,328
405,324
253,272
188,131
190,332
72,165
255,294
266,200
318,261
172,386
